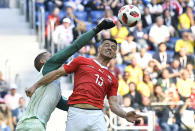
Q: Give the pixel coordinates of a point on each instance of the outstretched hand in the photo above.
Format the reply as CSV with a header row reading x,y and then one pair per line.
x,y
106,24
132,116
29,91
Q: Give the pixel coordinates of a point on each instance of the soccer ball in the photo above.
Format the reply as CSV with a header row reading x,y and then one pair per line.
x,y
129,15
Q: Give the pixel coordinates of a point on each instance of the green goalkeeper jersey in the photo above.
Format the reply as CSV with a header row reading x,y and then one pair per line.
x,y
43,102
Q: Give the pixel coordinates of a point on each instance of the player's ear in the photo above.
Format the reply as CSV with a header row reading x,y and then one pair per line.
x,y
42,61
99,48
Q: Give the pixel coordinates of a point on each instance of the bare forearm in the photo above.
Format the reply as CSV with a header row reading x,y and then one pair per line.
x,y
117,109
50,77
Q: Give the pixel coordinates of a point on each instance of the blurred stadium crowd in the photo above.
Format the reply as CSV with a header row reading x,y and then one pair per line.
x,y
154,64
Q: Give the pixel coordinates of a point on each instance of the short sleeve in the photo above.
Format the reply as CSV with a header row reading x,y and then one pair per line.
x,y
73,65
113,90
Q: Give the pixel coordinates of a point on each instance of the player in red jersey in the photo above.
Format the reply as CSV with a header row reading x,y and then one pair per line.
x,y
92,83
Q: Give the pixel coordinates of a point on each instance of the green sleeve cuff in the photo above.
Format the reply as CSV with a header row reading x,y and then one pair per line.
x,y
63,104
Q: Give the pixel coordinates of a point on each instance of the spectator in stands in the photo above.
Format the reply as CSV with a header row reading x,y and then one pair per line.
x,y
105,34
75,4
186,42
153,68
4,87
94,4
88,50
168,118
53,20
136,97
107,4
162,56
147,19
54,3
183,58
108,13
128,48
174,6
140,36
187,116
164,81
17,113
6,118
192,97
123,87
186,20
155,9
186,3
146,104
143,57
119,59
71,16
63,35
3,125
119,32
116,5
184,85
135,72
139,4
172,94
79,29
158,33
146,86
170,22
174,70
158,95
12,99
114,69
191,71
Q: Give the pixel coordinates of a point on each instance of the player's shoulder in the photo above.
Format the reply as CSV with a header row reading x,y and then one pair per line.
x,y
82,58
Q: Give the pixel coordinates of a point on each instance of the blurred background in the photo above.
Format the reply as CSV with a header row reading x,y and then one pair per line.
x,y
154,64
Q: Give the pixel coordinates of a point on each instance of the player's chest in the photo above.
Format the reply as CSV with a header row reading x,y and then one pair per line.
x,y
96,74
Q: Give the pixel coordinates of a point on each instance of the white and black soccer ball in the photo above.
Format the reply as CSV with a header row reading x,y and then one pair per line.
x,y
129,15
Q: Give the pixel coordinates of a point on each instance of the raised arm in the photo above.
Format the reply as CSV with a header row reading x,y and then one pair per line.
x,y
60,57
48,78
117,109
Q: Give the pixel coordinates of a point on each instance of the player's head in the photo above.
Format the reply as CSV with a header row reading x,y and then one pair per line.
x,y
107,49
41,59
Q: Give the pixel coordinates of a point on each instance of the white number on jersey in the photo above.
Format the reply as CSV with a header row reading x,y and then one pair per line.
x,y
99,80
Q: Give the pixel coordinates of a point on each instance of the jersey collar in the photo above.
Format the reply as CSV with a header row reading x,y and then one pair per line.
x,y
100,64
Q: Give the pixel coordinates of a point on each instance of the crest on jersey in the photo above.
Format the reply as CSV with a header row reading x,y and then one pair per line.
x,y
90,66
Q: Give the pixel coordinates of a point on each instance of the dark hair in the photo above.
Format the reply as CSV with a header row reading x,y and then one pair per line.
x,y
37,62
161,43
112,40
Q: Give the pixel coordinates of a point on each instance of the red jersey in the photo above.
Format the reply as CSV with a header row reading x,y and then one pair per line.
x,y
92,82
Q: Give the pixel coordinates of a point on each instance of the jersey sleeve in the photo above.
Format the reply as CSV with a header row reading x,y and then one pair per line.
x,y
113,90
73,65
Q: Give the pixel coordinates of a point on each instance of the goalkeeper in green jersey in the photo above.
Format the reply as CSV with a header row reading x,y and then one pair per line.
x,y
44,99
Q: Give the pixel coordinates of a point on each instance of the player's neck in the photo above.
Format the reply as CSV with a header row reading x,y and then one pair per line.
x,y
102,61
